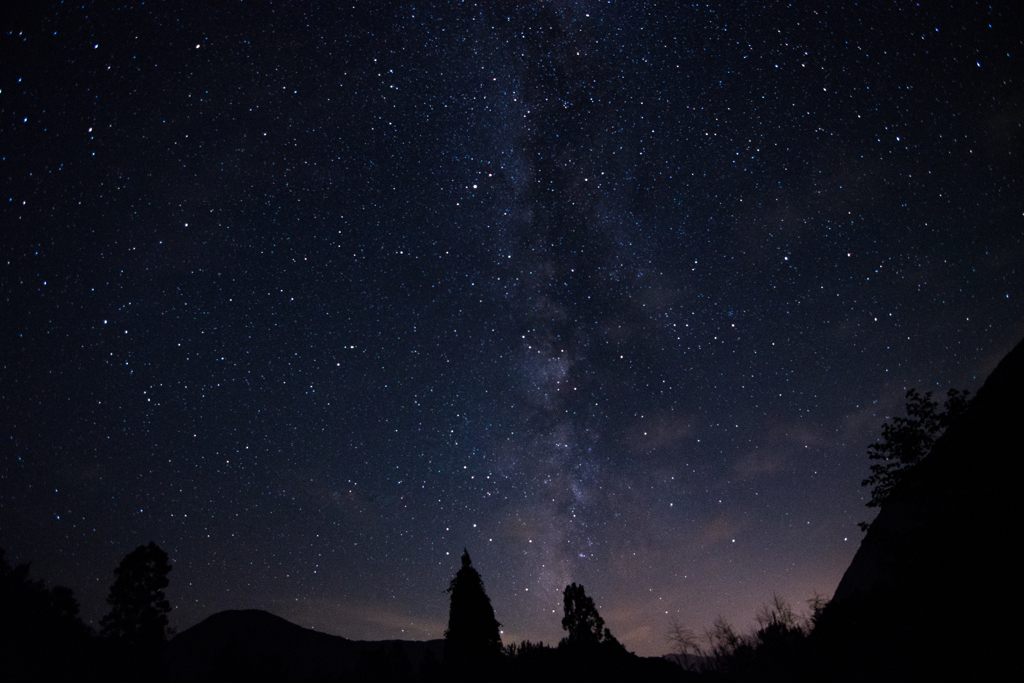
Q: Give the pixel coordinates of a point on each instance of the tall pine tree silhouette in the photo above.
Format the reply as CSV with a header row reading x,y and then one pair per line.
x,y
472,642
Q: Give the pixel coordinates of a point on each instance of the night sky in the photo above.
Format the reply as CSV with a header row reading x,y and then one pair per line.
x,y
613,293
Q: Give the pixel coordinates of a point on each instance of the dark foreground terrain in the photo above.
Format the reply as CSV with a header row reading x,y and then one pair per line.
x,y
252,645
927,597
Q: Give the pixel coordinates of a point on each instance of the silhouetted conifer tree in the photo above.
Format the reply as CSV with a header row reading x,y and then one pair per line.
x,y
472,642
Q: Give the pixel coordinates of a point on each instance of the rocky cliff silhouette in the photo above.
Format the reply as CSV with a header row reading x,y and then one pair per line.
x,y
936,578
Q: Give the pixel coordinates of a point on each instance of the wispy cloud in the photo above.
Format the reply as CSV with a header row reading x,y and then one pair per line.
x,y
756,464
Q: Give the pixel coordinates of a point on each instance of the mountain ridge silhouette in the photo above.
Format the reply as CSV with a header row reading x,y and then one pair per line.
x,y
255,644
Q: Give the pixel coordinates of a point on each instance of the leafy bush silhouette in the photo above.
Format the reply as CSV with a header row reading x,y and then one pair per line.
x,y
776,649
907,440
723,644
684,641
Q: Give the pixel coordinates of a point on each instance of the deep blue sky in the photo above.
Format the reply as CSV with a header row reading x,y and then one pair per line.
x,y
607,293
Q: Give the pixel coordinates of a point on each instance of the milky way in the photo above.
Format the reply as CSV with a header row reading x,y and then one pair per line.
x,y
613,294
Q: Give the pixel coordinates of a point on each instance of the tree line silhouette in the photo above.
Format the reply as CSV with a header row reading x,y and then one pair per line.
x,y
881,633
44,637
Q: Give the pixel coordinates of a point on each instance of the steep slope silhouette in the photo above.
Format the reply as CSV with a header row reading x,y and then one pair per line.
x,y
935,579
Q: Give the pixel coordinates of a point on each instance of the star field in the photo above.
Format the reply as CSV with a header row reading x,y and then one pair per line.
x,y
607,293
